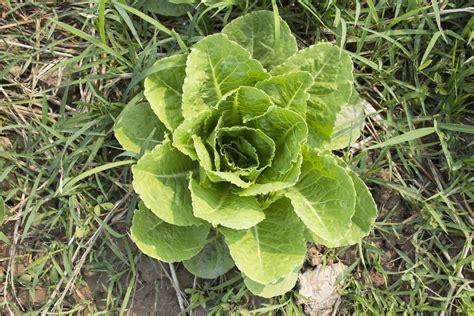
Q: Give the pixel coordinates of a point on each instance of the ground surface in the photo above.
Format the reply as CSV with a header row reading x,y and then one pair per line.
x,y
66,70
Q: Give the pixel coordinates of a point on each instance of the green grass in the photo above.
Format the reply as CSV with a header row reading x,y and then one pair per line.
x,y
67,70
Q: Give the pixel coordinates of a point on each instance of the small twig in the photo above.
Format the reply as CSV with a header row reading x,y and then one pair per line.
x,y
7,26
174,282
39,48
372,112
10,274
177,287
449,11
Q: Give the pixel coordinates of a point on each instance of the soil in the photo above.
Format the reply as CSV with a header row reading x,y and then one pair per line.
x,y
153,294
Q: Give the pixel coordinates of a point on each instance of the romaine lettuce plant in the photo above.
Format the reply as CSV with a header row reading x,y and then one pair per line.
x,y
237,165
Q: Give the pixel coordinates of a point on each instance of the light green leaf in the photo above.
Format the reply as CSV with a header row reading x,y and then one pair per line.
x,y
365,211
269,181
234,177
324,197
250,102
163,89
288,130
164,241
328,64
204,157
331,69
280,287
212,261
161,179
264,145
256,32
288,90
182,136
215,67
137,126
218,205
273,248
320,118
348,125
220,3
363,218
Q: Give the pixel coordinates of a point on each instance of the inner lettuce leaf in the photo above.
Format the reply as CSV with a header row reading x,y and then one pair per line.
x,y
263,145
240,168
240,154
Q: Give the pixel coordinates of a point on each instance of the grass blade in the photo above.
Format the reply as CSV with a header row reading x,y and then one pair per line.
x,y
408,136
69,184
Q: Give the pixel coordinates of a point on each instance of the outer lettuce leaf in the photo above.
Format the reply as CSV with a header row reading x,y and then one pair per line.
x,y
332,73
363,218
163,89
212,261
320,117
324,197
215,67
348,125
273,248
164,241
138,127
256,33
280,287
161,180
288,90
218,205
